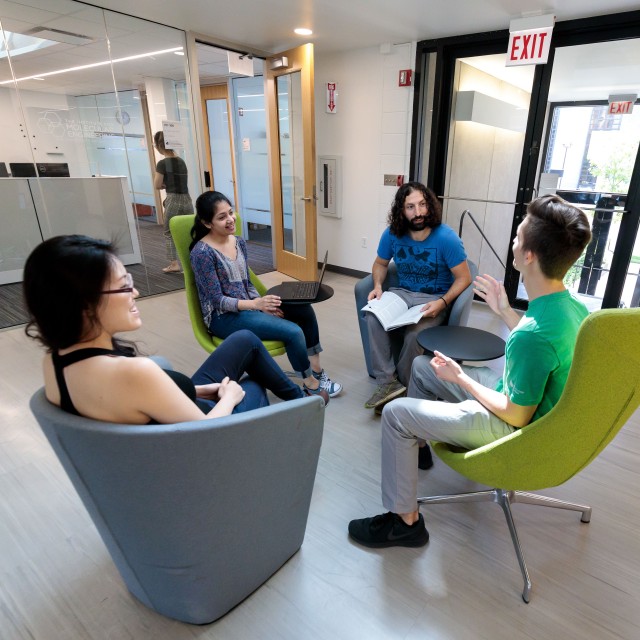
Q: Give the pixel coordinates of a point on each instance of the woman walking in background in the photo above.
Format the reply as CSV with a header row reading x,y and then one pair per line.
x,y
172,175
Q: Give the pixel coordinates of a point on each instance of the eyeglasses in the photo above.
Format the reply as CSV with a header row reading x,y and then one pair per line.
x,y
128,288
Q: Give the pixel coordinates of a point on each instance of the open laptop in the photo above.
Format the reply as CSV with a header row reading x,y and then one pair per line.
x,y
303,290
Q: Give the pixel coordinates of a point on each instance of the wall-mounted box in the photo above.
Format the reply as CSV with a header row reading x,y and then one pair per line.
x,y
330,186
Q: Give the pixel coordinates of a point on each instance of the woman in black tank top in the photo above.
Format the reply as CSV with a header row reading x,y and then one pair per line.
x,y
79,295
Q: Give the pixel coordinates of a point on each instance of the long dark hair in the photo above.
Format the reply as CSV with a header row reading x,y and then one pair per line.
x,y
205,208
398,223
63,282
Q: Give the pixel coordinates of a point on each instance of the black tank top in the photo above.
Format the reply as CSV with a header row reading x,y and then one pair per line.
x,y
60,362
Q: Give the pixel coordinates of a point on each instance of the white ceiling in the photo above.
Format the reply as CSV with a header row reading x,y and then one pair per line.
x,y
350,24
267,26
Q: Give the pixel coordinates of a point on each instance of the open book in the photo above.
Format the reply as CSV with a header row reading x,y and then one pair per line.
x,y
392,311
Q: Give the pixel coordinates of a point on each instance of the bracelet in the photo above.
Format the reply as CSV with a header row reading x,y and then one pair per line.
x,y
446,306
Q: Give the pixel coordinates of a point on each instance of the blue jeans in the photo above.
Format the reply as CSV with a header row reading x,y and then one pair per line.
x,y
298,330
244,353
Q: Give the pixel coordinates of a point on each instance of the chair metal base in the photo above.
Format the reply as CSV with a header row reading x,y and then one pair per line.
x,y
505,499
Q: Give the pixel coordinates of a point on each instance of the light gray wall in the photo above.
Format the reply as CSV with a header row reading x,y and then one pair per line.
x,y
371,131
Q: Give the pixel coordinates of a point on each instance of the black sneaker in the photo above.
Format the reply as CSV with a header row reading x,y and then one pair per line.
x,y
388,530
425,461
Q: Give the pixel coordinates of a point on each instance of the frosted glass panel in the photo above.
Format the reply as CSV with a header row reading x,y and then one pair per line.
x,y
110,216
18,215
289,89
251,150
220,145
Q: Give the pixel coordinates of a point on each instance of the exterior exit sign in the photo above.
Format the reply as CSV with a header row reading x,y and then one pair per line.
x,y
621,105
529,40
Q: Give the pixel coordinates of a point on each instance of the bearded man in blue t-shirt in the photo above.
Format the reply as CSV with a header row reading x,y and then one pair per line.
x,y
481,405
432,271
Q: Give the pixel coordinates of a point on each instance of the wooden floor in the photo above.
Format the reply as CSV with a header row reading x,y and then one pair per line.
x,y
57,581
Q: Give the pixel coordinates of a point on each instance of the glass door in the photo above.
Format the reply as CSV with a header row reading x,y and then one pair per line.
x,y
588,158
250,126
291,140
490,107
219,142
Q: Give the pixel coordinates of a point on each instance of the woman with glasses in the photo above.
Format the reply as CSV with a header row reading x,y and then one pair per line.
x,y
79,295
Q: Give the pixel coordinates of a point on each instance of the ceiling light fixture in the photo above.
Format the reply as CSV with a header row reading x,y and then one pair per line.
x,y
303,31
94,64
179,53
58,35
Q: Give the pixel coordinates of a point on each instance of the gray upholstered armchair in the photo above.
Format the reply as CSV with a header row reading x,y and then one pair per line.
x,y
196,515
458,314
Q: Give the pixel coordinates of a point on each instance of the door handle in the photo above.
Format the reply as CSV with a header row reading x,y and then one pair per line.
x,y
306,198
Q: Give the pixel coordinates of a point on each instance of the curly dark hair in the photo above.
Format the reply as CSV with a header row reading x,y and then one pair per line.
x,y
398,223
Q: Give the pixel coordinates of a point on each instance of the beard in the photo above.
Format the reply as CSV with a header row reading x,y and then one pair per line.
x,y
418,224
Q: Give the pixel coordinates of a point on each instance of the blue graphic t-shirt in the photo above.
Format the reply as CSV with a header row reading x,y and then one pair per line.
x,y
424,266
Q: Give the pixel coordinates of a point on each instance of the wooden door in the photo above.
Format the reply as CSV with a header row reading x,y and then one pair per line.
x,y
291,141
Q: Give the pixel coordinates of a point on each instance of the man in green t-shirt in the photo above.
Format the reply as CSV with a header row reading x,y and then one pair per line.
x,y
481,405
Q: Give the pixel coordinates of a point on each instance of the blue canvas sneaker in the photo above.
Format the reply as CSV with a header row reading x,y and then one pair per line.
x,y
331,387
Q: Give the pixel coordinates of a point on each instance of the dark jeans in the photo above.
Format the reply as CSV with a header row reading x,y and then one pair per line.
x,y
240,353
298,330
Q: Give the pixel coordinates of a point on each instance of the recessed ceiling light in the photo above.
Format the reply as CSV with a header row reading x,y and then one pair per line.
x,y
303,32
179,53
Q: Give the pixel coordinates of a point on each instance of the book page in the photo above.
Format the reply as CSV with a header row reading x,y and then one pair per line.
x,y
392,311
411,316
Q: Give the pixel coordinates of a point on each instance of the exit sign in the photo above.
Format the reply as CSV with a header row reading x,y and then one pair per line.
x,y
529,40
621,105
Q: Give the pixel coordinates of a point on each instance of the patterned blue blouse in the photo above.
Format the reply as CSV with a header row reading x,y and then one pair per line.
x,y
221,281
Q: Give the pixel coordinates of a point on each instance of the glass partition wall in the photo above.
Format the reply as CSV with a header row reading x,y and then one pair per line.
x,y
82,91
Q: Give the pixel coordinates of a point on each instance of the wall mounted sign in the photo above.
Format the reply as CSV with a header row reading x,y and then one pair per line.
x,y
622,104
529,40
332,97
173,134
122,116
240,63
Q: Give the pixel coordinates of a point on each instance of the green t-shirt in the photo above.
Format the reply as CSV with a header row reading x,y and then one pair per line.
x,y
539,351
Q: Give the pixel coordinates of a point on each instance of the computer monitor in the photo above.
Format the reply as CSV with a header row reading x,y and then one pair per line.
x,y
53,169
3,170
23,169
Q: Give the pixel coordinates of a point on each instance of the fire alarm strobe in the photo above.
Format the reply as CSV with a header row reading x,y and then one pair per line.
x,y
404,78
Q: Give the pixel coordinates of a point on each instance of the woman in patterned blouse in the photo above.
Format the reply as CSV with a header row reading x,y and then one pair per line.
x,y
230,302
